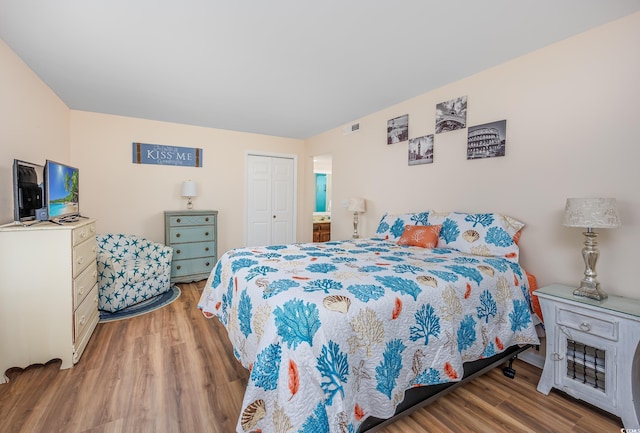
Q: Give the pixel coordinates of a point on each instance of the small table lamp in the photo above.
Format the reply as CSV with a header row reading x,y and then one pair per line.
x,y
357,206
590,213
189,190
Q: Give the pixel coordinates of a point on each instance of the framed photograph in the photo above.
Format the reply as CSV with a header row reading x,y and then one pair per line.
x,y
398,129
487,140
451,115
421,150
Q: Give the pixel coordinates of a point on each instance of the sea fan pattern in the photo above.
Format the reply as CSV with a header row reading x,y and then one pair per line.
x,y
334,369
336,332
388,370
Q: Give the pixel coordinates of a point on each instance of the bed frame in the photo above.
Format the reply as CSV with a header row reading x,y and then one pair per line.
x,y
416,398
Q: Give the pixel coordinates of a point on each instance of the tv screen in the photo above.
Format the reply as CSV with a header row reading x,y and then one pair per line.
x,y
62,190
28,190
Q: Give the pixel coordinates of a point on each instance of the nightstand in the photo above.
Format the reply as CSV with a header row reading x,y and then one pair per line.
x,y
593,351
194,237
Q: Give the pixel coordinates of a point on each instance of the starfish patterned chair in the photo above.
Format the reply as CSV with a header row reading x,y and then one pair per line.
x,y
131,269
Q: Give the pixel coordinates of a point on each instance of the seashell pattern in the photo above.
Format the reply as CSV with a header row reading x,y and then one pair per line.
x,y
471,236
487,270
427,280
252,414
337,303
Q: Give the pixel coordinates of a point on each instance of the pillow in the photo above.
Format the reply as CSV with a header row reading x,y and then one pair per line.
x,y
391,226
535,302
485,234
420,236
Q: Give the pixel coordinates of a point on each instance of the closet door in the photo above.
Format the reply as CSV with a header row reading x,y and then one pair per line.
x,y
270,200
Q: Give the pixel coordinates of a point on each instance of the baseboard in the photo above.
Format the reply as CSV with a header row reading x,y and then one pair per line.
x,y
533,356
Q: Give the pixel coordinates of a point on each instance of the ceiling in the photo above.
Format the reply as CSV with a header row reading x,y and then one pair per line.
x,y
290,68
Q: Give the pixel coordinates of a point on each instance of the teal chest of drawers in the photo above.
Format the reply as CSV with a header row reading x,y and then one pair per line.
x,y
193,235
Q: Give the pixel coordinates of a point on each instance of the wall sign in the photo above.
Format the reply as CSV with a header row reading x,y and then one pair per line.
x,y
160,154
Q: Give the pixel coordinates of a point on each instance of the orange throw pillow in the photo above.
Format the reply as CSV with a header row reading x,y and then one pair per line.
x,y
420,236
535,303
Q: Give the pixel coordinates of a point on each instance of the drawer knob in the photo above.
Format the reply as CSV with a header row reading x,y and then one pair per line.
x,y
80,260
177,251
178,267
206,249
178,235
178,220
83,320
81,292
584,326
206,233
207,219
207,264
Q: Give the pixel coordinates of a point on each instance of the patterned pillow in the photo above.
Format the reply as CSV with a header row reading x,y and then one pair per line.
x,y
420,236
391,226
485,234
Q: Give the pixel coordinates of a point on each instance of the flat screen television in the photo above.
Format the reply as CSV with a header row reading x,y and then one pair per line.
x,y
28,191
62,191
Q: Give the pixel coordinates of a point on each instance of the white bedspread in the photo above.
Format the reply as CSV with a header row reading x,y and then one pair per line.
x,y
336,332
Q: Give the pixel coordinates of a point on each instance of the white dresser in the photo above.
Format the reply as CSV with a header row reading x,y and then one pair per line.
x,y
48,293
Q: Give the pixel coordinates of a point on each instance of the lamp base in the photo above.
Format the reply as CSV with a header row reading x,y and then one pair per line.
x,y
587,290
355,226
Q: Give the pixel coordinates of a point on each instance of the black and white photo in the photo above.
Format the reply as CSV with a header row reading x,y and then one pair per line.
x,y
487,140
421,150
398,129
451,115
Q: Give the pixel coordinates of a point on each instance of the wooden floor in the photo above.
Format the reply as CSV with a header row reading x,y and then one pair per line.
x,y
172,371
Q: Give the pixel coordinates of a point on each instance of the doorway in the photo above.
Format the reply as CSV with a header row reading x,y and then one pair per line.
x,y
322,168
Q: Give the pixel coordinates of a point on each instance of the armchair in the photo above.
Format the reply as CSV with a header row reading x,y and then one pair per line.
x,y
131,269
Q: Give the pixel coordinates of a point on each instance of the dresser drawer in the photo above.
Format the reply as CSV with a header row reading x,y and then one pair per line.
x,y
191,234
85,312
84,283
193,249
189,267
584,322
83,233
190,220
83,255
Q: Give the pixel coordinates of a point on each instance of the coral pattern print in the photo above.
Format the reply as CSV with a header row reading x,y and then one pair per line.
x,y
333,333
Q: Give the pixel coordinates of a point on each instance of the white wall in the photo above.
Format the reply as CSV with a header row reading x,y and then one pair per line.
x,y
131,198
34,123
571,112
572,131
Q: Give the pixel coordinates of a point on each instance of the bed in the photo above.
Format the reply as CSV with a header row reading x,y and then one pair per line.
x,y
340,336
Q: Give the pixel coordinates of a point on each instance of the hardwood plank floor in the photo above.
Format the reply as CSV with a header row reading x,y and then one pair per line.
x,y
173,371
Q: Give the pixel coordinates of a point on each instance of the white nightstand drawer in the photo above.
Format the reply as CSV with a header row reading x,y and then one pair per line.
x,y
589,324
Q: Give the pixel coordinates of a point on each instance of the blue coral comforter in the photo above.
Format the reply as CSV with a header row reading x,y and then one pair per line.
x,y
335,332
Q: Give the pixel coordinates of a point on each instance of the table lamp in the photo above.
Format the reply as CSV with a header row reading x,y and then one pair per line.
x,y
591,213
189,190
357,206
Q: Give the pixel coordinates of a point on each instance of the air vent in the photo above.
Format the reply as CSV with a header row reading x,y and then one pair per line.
x,y
350,129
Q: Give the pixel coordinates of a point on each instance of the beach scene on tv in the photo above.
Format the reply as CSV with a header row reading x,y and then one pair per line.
x,y
63,190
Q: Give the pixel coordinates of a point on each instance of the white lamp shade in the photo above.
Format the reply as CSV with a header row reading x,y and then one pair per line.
x,y
356,205
189,189
591,213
